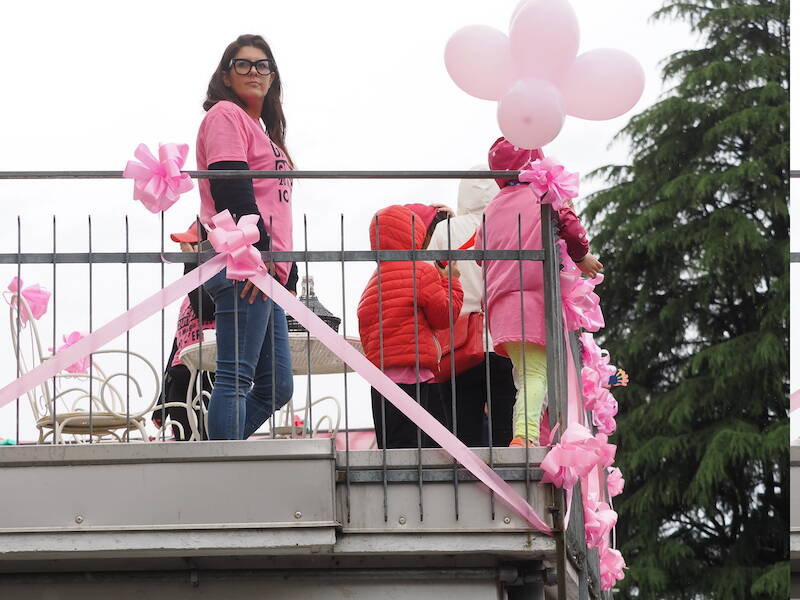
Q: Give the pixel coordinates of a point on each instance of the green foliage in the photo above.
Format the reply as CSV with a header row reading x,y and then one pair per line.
x,y
694,236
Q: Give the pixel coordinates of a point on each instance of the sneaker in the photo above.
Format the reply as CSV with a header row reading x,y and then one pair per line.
x,y
520,442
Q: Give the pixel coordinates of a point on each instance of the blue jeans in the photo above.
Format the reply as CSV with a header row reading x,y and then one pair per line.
x,y
244,395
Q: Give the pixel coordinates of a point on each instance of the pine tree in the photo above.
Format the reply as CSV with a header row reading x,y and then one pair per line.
x,y
694,236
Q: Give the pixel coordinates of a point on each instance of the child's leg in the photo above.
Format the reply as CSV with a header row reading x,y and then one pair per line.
x,y
531,382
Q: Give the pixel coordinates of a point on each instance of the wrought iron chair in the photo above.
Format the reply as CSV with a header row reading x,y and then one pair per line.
x,y
92,405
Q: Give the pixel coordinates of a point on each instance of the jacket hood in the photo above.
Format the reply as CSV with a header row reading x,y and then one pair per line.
x,y
505,156
394,225
474,194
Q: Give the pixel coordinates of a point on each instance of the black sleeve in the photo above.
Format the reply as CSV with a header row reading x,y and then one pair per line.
x,y
237,196
198,298
291,283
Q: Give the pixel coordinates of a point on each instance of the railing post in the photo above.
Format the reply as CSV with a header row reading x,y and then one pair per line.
x,y
556,350
556,377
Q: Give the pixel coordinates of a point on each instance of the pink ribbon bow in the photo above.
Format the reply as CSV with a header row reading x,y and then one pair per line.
x,y
615,482
35,295
236,241
599,520
81,366
159,183
551,182
612,566
575,456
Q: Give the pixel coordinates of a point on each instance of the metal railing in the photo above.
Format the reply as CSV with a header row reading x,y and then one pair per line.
x,y
570,541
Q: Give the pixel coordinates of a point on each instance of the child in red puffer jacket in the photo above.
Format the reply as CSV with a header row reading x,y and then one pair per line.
x,y
386,317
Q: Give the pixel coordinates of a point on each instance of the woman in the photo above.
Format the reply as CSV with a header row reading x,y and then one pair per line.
x,y
252,335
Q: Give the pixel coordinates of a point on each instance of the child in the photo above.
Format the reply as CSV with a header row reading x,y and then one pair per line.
x,y
393,324
471,393
503,282
188,331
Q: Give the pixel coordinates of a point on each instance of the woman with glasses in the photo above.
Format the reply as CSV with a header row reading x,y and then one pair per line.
x,y
244,128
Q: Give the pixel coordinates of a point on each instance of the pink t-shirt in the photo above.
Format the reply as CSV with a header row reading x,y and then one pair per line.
x,y
188,332
229,133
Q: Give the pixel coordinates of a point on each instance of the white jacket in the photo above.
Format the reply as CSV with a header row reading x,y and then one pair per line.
x,y
473,196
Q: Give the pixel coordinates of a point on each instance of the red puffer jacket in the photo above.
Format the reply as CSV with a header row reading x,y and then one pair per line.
x,y
397,298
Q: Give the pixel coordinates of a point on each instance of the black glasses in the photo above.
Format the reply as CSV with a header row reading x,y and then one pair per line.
x,y
243,66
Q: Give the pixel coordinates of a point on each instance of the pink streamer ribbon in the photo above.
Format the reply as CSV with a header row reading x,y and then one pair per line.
x,y
158,183
35,295
82,365
235,240
551,181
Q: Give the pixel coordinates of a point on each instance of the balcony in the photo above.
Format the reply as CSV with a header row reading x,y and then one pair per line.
x,y
297,517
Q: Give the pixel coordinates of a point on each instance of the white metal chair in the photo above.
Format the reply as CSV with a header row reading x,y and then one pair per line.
x,y
201,360
82,406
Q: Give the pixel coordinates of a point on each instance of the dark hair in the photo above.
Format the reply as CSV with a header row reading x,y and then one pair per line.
x,y
272,111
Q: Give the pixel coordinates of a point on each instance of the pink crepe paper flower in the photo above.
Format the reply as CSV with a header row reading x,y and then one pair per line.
x,y
236,240
615,482
599,520
591,387
595,358
581,304
81,366
612,566
603,413
605,451
551,181
158,183
575,455
35,295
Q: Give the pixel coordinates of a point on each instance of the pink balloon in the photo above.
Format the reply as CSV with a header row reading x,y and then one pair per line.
x,y
478,59
602,84
515,12
544,38
531,113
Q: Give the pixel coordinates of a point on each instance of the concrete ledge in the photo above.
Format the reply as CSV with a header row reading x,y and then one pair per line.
x,y
140,544
164,452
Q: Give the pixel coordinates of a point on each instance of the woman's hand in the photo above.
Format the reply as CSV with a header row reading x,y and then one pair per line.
x,y
251,289
444,208
589,265
445,272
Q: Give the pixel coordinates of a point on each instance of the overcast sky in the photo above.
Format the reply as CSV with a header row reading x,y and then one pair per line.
x,y
365,88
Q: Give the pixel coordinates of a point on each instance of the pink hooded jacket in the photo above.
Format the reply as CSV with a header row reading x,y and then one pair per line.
x,y
505,303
